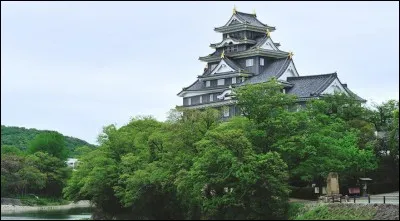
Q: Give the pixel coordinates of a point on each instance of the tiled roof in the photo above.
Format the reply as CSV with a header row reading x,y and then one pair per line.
x,y
241,41
250,19
229,62
261,41
311,85
353,94
232,64
197,85
274,69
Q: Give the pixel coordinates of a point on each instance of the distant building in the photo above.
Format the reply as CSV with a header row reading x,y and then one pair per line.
x,y
72,162
248,55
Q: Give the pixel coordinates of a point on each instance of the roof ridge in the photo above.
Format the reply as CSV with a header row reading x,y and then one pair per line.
x,y
316,75
191,84
246,13
284,66
233,63
327,82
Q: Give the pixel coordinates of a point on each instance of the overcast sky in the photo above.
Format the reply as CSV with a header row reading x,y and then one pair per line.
x,y
75,67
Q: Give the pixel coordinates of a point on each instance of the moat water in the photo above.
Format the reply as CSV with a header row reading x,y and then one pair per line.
x,y
71,214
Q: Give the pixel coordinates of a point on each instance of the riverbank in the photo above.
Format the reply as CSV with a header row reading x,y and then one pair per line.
x,y
7,209
343,211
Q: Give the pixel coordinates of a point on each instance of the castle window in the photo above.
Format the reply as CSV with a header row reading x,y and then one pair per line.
x,y
262,61
189,101
211,97
232,48
249,62
221,82
234,80
226,112
201,99
207,83
235,48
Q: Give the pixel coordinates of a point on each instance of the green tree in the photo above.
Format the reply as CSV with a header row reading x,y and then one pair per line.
x,y
31,180
10,165
52,143
82,150
322,138
229,181
325,145
382,114
267,107
7,149
263,101
55,170
132,174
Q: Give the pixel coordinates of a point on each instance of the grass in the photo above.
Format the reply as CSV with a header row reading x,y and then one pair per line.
x,y
42,201
295,209
330,212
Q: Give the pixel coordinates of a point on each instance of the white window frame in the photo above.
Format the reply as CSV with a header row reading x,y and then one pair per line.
x,y
211,97
220,82
249,62
234,80
201,99
208,83
226,112
189,101
298,108
261,61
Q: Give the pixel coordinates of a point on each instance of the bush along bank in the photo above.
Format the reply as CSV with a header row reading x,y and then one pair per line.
x,y
300,211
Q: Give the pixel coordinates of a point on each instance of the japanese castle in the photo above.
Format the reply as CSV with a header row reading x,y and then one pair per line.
x,y
248,55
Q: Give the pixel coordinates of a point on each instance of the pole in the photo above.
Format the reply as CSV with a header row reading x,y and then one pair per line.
x,y
369,199
354,197
384,199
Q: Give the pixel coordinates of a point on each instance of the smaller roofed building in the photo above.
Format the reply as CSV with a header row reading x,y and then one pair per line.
x,y
72,162
248,55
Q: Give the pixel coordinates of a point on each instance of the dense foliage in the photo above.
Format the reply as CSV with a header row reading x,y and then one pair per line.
x,y
193,166
196,166
20,137
41,170
51,143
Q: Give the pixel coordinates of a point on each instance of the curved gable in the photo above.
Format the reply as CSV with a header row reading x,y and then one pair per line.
x,y
289,72
335,86
269,45
222,67
234,20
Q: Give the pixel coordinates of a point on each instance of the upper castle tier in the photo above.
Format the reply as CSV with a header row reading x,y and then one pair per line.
x,y
248,55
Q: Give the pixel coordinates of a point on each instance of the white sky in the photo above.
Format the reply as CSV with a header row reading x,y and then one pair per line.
x,y
75,67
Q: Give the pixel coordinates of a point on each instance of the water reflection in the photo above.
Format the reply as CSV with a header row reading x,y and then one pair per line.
x,y
72,214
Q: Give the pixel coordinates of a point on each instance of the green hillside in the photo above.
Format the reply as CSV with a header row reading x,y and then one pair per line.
x,y
20,137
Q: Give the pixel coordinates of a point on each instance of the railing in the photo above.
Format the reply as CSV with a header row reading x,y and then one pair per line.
x,y
368,199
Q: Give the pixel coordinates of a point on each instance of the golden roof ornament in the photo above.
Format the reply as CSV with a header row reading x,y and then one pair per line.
x,y
290,55
268,33
223,53
245,38
254,13
234,9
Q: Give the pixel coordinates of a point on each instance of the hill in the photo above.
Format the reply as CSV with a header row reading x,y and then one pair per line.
x,y
20,137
